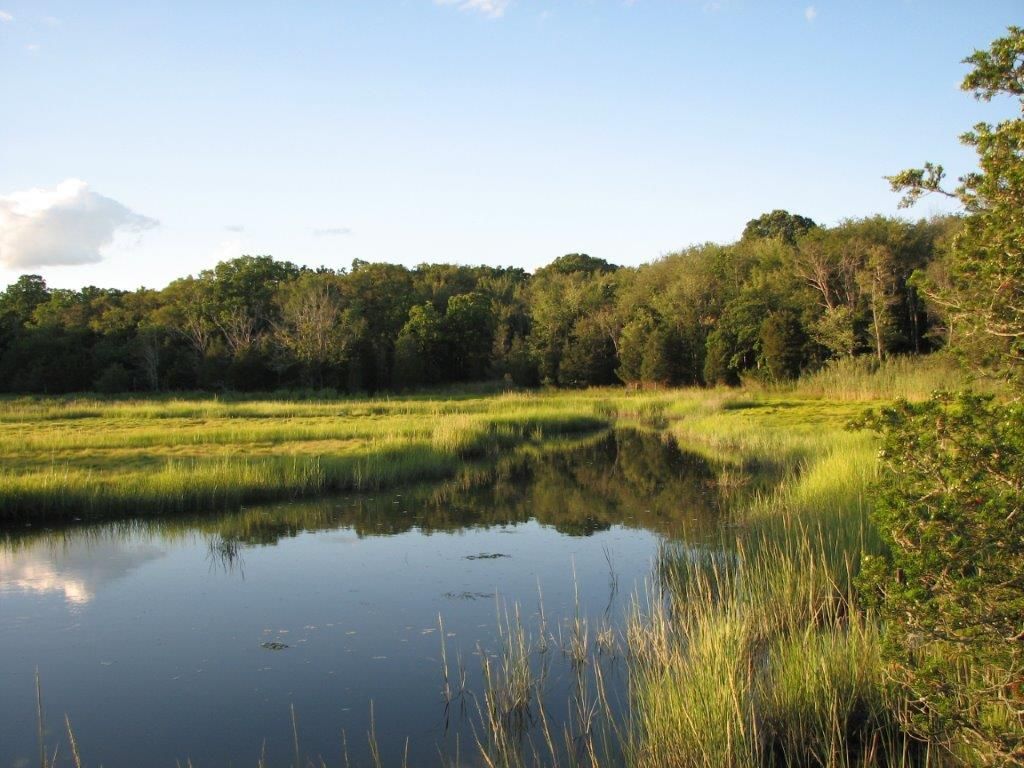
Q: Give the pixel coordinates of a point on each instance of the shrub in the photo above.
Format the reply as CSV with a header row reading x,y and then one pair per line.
x,y
951,595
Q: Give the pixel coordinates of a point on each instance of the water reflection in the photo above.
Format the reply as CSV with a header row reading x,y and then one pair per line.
x,y
632,478
73,567
332,604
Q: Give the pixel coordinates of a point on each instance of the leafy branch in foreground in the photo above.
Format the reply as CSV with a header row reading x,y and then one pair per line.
x,y
985,296
951,492
951,507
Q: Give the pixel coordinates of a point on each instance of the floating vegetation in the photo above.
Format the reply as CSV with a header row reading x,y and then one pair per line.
x,y
469,595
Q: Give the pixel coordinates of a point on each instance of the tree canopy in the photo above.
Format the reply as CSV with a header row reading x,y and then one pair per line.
x,y
772,305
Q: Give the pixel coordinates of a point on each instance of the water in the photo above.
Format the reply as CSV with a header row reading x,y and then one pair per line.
x,y
157,638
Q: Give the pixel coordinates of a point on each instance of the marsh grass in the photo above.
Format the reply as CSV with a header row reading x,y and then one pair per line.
x,y
911,377
514,726
757,653
86,458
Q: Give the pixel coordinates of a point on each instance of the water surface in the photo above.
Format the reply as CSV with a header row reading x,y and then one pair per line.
x,y
164,640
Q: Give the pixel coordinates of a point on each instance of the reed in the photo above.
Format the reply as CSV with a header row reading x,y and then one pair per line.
x,y
757,653
910,377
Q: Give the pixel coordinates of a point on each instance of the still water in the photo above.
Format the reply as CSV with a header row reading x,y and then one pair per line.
x,y
198,637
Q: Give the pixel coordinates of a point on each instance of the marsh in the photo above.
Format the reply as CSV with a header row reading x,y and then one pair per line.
x,y
194,636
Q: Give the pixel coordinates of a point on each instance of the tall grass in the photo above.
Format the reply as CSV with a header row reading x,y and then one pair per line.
x,y
908,377
763,657
67,458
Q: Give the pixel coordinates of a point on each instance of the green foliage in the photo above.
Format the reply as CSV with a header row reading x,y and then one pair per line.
x,y
661,355
315,330
573,263
951,496
782,345
779,224
114,378
469,331
21,298
951,507
632,345
588,357
572,333
717,368
998,70
420,347
984,294
859,277
836,330
688,318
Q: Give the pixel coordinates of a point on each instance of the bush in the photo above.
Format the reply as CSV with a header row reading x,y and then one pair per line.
x,y
951,595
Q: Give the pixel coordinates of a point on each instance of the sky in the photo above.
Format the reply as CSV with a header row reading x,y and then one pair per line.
x,y
142,141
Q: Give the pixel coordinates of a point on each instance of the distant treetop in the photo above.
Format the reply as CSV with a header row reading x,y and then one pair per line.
x,y
778,224
578,262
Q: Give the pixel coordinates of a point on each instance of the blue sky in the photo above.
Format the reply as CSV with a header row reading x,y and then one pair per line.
x,y
471,131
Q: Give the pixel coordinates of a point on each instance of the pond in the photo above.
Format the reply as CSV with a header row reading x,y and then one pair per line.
x,y
219,637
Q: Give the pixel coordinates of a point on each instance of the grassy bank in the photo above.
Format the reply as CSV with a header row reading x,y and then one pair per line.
x,y
756,653
764,658
767,658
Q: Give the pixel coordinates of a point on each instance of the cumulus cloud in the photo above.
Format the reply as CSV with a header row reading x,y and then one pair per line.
x,y
493,8
68,224
810,13
5,17
332,232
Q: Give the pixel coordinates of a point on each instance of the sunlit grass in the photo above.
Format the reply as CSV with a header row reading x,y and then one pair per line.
x,y
910,377
71,457
760,654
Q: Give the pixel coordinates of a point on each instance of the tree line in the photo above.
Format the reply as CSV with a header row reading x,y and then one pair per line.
x,y
784,299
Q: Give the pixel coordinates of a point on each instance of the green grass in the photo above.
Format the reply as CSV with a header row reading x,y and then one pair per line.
x,y
909,377
86,457
765,658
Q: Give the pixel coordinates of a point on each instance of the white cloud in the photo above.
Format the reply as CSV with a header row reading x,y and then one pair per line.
x,y
810,13
234,228
32,47
5,17
68,224
493,8
332,232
